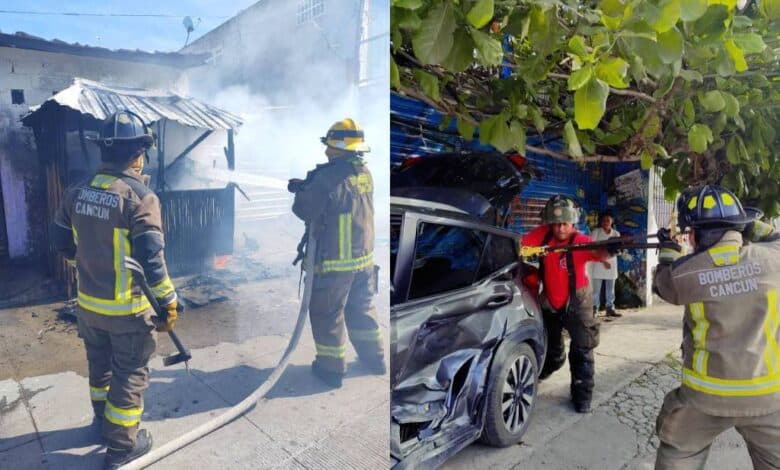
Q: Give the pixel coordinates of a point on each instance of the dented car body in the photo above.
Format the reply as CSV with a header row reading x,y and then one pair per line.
x,y
467,335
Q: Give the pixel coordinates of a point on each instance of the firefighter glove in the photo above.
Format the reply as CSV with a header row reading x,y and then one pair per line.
x,y
664,235
294,185
173,310
669,253
758,231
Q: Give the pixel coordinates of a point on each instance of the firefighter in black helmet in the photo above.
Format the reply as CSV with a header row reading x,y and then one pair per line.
x,y
102,220
336,202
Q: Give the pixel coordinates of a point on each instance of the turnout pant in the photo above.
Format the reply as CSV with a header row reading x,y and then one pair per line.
x,y
686,435
583,329
339,298
118,376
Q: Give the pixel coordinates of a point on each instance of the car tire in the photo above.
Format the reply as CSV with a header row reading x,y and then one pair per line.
x,y
507,410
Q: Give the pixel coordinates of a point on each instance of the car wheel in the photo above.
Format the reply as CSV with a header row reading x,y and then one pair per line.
x,y
511,395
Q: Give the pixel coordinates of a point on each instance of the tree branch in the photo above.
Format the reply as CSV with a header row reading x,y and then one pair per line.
x,y
616,91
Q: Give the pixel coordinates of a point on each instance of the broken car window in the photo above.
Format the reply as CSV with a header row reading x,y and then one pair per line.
x,y
500,253
446,258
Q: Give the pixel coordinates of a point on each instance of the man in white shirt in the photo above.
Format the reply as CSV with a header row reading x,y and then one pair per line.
x,y
604,271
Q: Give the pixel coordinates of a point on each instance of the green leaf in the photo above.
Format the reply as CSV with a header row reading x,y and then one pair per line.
x,y
428,83
730,4
653,127
465,129
578,47
712,101
750,43
536,117
742,22
699,137
461,55
397,38
407,19
612,23
446,120
692,10
518,136
570,139
646,160
712,25
580,77
732,105
668,16
660,151
489,50
732,154
433,41
670,46
736,55
501,138
770,9
486,127
613,70
689,112
408,4
590,103
612,7
691,76
481,13
395,76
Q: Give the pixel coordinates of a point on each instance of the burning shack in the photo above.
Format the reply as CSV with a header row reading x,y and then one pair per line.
x,y
198,213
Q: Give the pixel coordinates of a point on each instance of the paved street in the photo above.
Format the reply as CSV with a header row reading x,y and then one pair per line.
x,y
637,362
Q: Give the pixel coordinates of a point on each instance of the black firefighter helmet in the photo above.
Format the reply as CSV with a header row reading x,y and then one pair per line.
x,y
124,136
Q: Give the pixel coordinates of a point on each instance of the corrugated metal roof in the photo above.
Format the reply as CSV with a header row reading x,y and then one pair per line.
x,y
100,101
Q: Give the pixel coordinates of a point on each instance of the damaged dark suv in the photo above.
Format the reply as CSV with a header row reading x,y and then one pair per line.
x,y
468,337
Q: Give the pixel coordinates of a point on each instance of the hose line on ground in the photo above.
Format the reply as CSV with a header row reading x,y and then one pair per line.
x,y
248,402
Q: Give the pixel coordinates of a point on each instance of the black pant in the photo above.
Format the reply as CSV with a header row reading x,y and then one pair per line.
x,y
584,331
344,298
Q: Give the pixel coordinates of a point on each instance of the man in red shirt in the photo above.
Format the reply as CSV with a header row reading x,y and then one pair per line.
x,y
562,273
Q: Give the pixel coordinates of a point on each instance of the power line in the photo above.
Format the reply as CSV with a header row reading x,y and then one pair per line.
x,y
130,15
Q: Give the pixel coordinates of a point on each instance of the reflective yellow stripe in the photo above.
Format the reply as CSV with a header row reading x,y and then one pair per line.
x,y
331,351
98,393
766,385
113,307
163,289
700,355
772,352
75,236
347,265
123,417
344,228
725,255
348,225
365,335
102,181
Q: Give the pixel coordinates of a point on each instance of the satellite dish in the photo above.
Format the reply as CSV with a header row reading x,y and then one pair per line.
x,y
188,24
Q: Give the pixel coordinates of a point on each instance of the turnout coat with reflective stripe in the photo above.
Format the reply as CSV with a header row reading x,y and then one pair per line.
x,y
731,331
102,220
337,204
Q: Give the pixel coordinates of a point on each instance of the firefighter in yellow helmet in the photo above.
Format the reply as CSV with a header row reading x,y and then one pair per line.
x,y
731,331
336,203
101,220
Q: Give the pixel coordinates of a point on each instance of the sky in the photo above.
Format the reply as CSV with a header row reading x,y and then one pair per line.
x,y
163,34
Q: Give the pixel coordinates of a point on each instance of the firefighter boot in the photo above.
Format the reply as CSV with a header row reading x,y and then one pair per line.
x,y
374,364
332,379
115,458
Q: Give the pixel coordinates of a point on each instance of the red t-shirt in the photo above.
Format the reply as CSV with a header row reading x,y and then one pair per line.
x,y
556,275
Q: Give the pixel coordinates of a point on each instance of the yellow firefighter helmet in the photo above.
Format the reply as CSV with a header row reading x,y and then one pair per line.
x,y
346,135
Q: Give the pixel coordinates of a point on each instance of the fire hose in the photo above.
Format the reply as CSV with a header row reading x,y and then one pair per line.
x,y
251,400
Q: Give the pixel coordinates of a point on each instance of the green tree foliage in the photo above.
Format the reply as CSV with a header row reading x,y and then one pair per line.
x,y
692,86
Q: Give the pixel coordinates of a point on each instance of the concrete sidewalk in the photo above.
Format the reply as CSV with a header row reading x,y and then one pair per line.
x,y
559,438
300,424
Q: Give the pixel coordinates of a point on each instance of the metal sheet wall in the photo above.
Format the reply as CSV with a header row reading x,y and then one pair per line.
x,y
416,130
199,226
